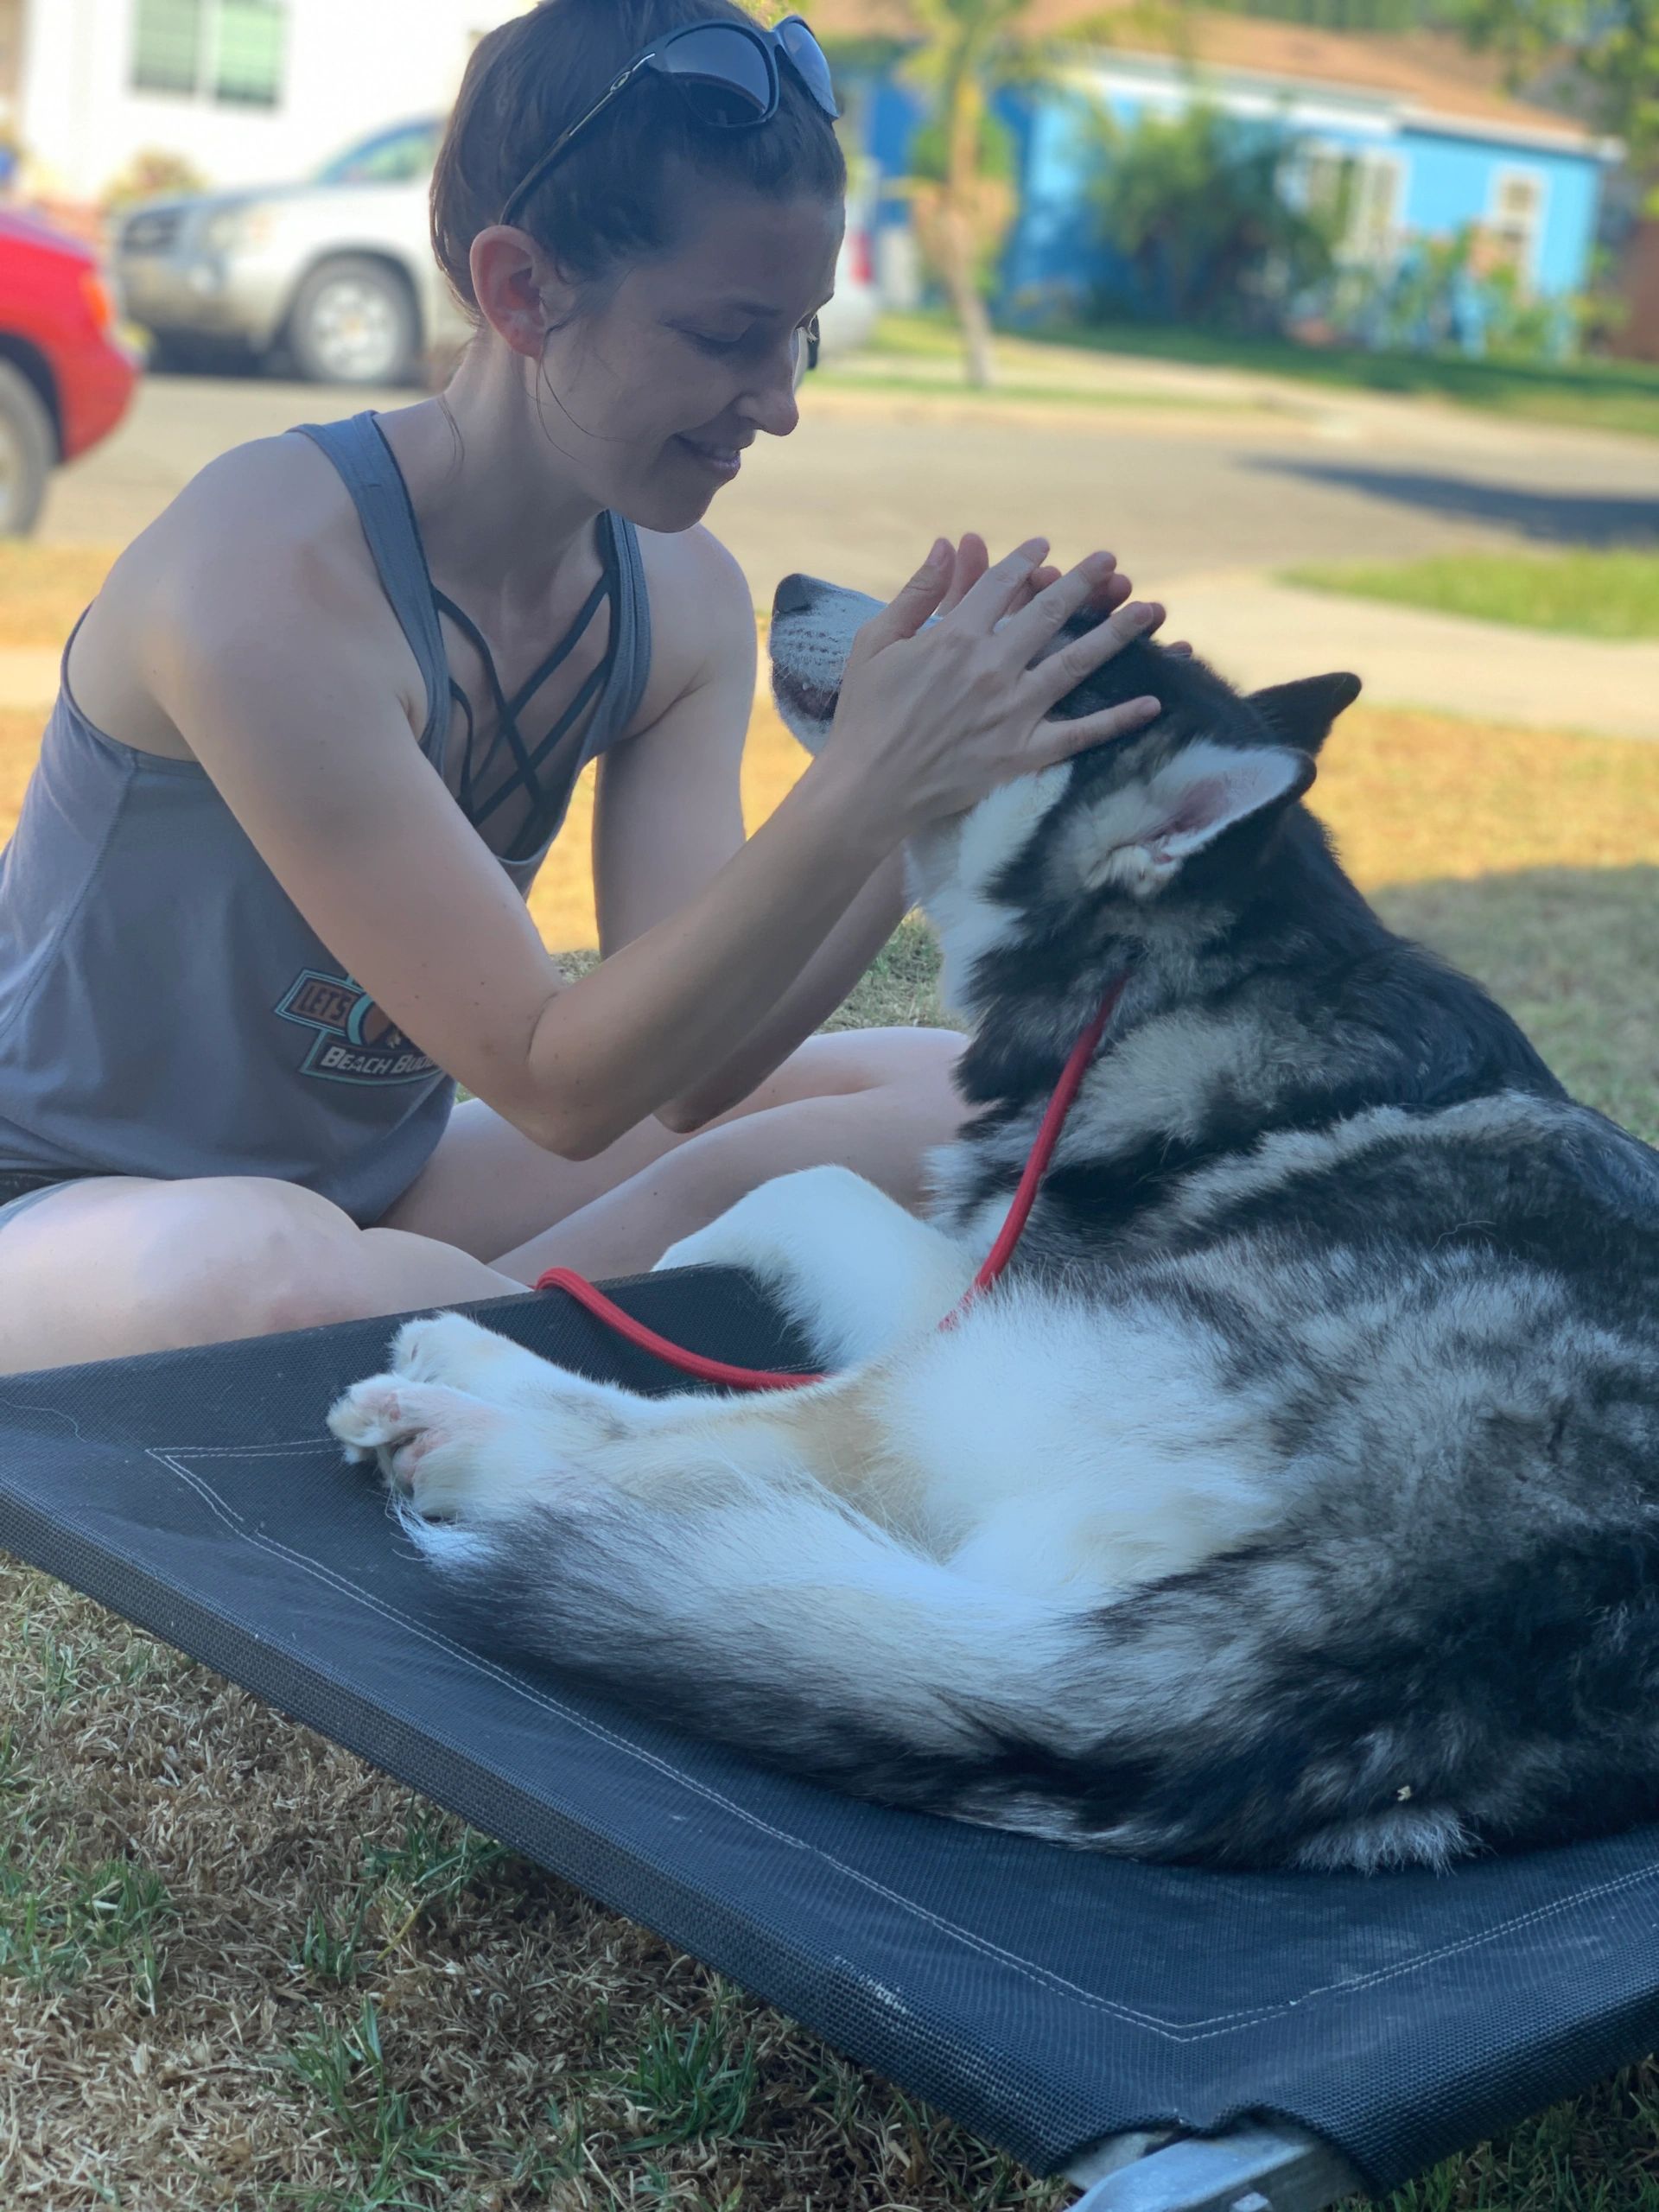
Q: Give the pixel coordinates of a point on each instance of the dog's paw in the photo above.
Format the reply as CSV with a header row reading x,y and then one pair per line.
x,y
402,1424
449,1454
775,1232
449,1348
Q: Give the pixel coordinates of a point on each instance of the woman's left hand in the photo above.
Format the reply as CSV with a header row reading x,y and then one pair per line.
x,y
972,558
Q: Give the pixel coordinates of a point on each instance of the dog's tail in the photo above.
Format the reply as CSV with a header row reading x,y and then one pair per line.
x,y
1179,1723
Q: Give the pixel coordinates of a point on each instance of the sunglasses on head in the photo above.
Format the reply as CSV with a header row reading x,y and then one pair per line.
x,y
727,73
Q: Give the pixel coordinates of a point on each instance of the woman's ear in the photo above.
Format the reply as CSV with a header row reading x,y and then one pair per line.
x,y
520,293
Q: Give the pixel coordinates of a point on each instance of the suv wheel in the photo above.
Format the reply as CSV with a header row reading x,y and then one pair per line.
x,y
28,446
353,323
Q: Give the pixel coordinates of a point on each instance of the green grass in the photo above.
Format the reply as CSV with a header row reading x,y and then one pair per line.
x,y
1587,594
1572,953
1593,394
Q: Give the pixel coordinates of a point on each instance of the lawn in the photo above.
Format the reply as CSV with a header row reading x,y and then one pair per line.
x,y
1591,394
238,1968
1587,594
1605,395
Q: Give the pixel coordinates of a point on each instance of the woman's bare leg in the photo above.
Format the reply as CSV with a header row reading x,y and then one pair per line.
x,y
118,1265
875,1100
105,1268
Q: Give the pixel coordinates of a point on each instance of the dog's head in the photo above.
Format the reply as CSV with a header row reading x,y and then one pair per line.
x,y
1156,839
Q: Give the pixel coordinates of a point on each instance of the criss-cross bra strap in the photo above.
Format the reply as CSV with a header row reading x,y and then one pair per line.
x,y
610,696
523,775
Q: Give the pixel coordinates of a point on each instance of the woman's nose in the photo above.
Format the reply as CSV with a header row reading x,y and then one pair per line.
x,y
772,405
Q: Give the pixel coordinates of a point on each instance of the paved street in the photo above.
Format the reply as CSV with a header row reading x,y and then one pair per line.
x,y
1180,491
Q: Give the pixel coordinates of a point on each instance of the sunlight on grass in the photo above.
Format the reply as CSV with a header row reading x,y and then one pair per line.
x,y
43,588
1590,594
1411,797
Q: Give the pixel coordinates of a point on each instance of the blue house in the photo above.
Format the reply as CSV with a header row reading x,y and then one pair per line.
x,y
1431,142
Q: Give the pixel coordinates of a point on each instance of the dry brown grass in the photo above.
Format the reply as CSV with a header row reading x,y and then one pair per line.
x,y
238,1968
44,587
1411,797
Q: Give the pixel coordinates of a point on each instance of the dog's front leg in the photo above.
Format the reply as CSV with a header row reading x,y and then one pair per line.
x,y
452,1454
852,1269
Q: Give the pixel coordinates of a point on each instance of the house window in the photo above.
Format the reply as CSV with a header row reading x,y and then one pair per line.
x,y
1516,217
167,46
229,51
1368,188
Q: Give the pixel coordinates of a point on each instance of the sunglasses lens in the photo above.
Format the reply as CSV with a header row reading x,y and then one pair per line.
x,y
807,58
723,74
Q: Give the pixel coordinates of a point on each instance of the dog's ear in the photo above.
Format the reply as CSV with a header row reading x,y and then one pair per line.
x,y
1302,713
1139,836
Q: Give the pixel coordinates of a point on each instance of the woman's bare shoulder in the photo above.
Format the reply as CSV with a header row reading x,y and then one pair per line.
x,y
273,503
266,537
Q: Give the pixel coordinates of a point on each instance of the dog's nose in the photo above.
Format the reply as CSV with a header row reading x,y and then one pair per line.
x,y
792,596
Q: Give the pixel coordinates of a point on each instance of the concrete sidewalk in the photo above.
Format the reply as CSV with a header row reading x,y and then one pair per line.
x,y
1258,632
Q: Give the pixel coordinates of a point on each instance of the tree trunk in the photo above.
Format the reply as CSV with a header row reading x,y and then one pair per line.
x,y
961,244
962,278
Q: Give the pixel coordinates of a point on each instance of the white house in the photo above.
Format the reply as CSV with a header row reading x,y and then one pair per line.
x,y
249,92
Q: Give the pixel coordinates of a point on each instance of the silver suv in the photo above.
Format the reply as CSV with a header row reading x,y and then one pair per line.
x,y
338,273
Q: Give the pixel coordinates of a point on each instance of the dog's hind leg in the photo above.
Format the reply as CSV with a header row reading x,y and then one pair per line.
x,y
852,1269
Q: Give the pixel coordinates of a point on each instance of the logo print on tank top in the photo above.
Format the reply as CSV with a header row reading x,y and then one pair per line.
x,y
355,1041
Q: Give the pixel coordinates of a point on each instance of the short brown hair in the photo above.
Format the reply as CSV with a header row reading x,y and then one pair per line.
x,y
607,201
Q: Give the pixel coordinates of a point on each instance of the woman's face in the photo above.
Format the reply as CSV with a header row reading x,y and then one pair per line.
x,y
664,383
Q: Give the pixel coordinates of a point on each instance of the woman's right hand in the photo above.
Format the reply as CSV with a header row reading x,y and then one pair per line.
x,y
931,718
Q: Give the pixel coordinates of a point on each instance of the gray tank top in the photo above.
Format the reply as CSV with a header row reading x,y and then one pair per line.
x,y
165,1009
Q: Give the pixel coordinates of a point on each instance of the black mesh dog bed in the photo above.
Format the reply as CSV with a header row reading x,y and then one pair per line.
x,y
1333,2030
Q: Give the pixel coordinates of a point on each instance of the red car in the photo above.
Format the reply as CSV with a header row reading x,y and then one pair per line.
x,y
65,379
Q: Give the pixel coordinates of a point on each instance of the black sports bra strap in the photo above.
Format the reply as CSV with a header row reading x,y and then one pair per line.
x,y
590,687
505,721
524,776
578,630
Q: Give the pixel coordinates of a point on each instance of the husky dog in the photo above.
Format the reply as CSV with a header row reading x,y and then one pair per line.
x,y
1293,1498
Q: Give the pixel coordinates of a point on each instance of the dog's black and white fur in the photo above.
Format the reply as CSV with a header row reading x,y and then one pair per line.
x,y
1295,1497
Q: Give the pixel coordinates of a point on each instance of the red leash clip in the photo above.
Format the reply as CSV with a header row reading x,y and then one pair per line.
x,y
762,1378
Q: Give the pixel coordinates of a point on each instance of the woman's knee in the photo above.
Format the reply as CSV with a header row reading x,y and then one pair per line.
x,y
154,1266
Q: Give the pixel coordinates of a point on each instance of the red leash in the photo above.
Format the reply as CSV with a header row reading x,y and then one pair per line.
x,y
762,1378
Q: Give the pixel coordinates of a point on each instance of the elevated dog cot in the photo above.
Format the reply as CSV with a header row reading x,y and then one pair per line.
x,y
1176,2040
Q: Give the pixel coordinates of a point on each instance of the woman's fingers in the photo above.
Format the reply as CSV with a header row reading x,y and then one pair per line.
x,y
1090,584
1052,741
910,608
973,558
1064,671
986,603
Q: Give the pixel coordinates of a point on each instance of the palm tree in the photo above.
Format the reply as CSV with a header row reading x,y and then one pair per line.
x,y
970,45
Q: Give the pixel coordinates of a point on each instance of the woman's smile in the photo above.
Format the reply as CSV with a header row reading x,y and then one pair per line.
x,y
721,456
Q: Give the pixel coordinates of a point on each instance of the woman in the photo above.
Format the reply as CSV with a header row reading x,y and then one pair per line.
x,y
266,897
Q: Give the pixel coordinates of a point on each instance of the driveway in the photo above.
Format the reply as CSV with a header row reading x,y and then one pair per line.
x,y
1178,489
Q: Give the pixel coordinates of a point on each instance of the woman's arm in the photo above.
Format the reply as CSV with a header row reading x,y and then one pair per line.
x,y
279,665
668,818
264,640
